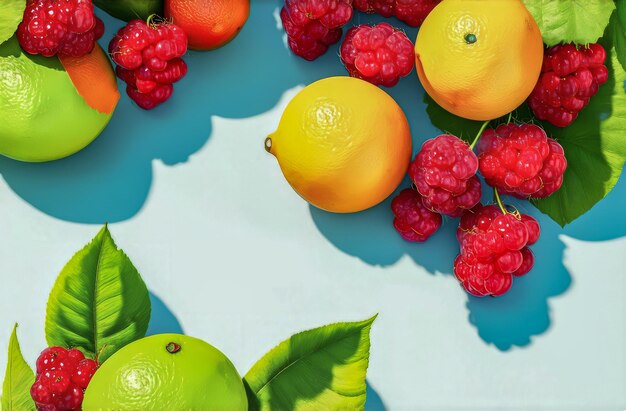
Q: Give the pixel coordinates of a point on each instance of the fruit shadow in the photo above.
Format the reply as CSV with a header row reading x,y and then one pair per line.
x,y
162,319
373,401
109,181
508,321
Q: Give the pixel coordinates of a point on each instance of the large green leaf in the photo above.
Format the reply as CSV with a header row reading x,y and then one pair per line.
x,y
319,369
621,12
619,32
17,380
11,14
571,21
99,303
595,147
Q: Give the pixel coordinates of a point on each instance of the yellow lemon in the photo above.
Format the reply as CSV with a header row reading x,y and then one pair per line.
x,y
343,144
479,59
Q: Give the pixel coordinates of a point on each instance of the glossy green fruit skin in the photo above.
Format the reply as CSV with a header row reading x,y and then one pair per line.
x,y
128,10
145,376
42,116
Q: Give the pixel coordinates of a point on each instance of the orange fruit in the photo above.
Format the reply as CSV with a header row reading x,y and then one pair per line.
x,y
479,59
209,24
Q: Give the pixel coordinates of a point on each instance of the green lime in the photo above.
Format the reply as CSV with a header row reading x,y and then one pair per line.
x,y
167,372
42,115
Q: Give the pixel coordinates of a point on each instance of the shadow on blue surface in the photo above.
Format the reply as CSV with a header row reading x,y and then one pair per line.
x,y
373,402
506,321
162,319
109,181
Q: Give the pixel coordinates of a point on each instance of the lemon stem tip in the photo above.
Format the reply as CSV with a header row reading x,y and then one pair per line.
x,y
173,348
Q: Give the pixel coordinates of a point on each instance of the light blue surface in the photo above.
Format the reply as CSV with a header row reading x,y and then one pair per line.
x,y
110,180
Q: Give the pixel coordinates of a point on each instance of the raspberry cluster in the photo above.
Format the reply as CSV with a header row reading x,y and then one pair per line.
x,y
494,248
412,220
570,76
379,54
59,27
412,12
148,58
313,25
521,160
444,172
62,377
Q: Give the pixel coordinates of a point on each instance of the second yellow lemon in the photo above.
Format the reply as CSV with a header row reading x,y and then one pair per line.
x,y
479,59
343,144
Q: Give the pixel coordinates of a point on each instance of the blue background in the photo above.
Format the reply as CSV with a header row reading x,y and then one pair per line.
x,y
109,181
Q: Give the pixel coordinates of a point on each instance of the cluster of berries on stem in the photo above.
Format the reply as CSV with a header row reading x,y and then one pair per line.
x,y
515,159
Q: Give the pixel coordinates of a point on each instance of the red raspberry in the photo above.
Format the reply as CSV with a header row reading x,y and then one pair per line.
x,y
412,220
62,377
63,27
412,12
380,54
444,172
569,78
313,25
148,58
521,160
494,248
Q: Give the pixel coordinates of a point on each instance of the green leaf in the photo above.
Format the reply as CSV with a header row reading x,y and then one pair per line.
x,y
595,147
619,32
11,14
621,12
320,369
462,127
131,9
17,380
99,302
571,21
